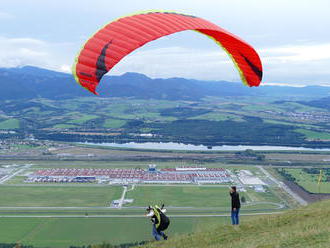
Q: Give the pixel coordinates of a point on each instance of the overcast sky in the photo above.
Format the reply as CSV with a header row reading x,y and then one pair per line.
x,y
291,36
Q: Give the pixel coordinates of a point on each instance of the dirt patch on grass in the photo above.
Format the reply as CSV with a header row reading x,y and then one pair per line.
x,y
307,196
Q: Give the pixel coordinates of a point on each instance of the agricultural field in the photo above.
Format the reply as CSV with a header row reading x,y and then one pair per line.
x,y
180,196
9,124
308,179
210,121
66,196
198,197
314,135
101,196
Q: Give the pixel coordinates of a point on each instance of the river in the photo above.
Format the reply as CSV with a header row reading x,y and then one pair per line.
x,y
190,147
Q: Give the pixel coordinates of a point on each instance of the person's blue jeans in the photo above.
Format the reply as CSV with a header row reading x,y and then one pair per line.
x,y
235,216
157,234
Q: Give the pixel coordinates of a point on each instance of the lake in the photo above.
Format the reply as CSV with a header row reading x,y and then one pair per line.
x,y
190,147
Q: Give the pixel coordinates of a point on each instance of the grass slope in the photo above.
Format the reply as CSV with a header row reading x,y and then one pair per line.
x,y
304,227
9,124
67,232
314,135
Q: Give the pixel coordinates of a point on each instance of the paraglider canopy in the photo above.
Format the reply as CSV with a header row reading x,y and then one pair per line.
x,y
119,38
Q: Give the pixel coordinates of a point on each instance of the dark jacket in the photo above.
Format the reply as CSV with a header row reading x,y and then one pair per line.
x,y
235,202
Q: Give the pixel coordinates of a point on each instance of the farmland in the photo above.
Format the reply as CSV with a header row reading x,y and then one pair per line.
x,y
210,121
57,196
309,181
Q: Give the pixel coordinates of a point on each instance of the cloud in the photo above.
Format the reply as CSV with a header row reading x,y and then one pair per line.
x,y
299,64
299,53
179,62
29,51
26,41
5,15
21,51
303,64
65,68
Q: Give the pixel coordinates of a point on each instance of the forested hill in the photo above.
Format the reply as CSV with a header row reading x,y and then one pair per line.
x,y
31,82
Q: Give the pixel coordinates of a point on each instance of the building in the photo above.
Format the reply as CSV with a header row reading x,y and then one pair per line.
x,y
178,175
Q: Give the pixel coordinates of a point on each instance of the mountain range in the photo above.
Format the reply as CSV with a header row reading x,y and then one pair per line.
x,y
32,82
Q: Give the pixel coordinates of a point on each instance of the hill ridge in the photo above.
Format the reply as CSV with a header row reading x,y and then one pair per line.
x,y
304,227
32,82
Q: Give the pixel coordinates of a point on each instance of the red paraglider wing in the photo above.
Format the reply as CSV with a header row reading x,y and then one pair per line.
x,y
119,38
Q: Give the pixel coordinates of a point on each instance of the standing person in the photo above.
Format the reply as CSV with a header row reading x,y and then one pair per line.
x,y
235,206
160,221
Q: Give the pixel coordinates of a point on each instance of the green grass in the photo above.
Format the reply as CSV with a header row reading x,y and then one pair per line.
x,y
97,113
16,180
9,124
180,196
314,135
66,196
100,164
278,122
24,147
309,181
114,123
261,107
83,118
283,107
216,116
294,106
64,126
302,228
289,123
267,196
87,195
60,233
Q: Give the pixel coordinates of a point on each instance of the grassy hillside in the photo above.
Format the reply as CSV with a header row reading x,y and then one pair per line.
x,y
304,227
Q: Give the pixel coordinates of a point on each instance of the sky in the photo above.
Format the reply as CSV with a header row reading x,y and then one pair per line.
x,y
291,36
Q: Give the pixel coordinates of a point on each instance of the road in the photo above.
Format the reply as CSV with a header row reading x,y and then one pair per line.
x,y
9,176
111,185
122,198
172,208
125,211
133,216
284,187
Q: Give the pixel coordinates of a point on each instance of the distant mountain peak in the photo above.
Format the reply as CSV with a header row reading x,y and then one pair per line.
x,y
29,69
135,76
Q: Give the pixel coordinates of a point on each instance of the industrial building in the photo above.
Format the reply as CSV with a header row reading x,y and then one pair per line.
x,y
151,175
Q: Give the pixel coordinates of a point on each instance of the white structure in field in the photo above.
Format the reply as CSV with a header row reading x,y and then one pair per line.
x,y
259,189
247,177
116,203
